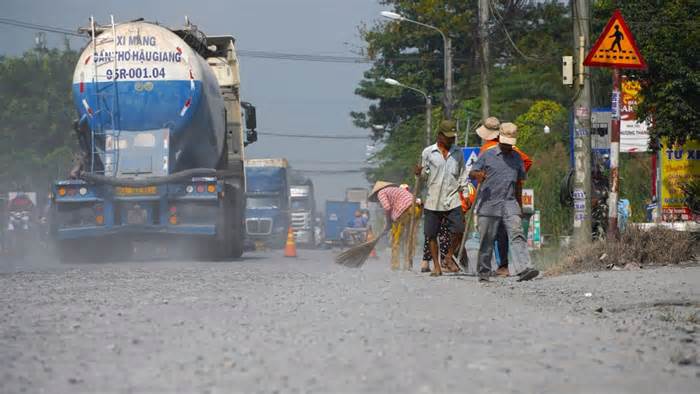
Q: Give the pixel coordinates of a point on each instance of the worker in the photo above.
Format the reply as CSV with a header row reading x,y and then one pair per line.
x,y
501,171
489,132
397,203
443,165
443,243
467,200
358,221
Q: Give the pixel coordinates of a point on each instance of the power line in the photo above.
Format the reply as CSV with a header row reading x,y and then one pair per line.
x,y
329,162
303,57
32,26
499,19
314,136
253,53
330,172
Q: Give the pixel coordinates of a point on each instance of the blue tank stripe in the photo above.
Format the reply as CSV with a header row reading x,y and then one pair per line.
x,y
137,107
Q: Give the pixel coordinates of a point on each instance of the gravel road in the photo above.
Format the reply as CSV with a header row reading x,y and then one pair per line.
x,y
270,324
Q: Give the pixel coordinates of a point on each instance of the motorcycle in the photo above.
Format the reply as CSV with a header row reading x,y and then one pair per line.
x,y
352,236
599,196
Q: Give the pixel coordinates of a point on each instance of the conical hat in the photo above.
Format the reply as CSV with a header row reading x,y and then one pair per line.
x,y
379,185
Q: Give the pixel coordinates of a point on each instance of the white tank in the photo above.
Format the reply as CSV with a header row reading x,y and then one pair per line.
x,y
145,86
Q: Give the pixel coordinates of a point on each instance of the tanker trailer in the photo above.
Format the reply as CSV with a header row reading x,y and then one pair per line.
x,y
162,143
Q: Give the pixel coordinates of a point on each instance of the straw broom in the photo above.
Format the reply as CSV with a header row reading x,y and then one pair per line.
x,y
413,223
356,256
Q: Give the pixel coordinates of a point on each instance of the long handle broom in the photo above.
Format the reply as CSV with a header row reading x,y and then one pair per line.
x,y
413,226
357,255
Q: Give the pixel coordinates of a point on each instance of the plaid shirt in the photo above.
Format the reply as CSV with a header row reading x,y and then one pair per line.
x,y
395,201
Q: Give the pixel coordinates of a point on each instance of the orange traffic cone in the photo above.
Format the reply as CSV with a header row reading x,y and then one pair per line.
x,y
290,248
370,237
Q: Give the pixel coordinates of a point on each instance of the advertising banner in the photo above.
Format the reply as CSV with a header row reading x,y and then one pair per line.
x,y
634,134
679,164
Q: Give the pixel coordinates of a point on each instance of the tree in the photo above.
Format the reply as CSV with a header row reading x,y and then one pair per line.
x,y
36,139
549,153
527,41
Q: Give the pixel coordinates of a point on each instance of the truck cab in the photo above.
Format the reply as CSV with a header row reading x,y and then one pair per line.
x,y
267,217
303,212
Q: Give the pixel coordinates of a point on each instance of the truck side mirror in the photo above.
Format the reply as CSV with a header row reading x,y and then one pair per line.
x,y
251,122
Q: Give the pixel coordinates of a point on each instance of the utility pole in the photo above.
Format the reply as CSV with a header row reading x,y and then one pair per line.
x,y
582,126
484,16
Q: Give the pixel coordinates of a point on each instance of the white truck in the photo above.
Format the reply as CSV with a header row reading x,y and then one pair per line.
x,y
303,212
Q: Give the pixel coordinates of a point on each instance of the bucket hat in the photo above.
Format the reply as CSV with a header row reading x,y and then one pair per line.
x,y
509,133
490,129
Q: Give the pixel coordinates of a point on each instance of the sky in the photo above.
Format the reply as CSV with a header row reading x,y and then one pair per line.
x,y
290,96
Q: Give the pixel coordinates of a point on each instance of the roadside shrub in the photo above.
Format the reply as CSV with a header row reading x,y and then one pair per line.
x,y
636,247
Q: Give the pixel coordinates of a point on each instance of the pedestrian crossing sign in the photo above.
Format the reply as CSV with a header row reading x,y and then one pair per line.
x,y
615,48
471,155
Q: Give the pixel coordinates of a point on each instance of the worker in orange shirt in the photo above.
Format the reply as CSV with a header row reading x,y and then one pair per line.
x,y
489,133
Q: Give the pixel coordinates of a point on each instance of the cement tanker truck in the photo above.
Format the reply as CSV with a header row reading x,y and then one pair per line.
x,y
162,137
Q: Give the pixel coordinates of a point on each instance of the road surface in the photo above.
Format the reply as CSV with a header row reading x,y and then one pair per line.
x,y
273,324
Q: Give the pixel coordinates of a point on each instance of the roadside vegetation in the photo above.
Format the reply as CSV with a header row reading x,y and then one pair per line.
x,y
36,117
527,41
635,249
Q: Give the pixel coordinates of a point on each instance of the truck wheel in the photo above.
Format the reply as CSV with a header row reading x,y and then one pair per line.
x,y
236,224
231,244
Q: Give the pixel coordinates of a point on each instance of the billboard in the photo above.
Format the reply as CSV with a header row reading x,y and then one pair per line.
x,y
679,164
634,134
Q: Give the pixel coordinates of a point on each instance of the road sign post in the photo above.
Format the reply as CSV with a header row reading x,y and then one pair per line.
x,y
616,49
614,155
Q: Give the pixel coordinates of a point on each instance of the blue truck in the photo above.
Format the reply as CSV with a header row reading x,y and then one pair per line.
x,y
338,215
161,132
267,217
